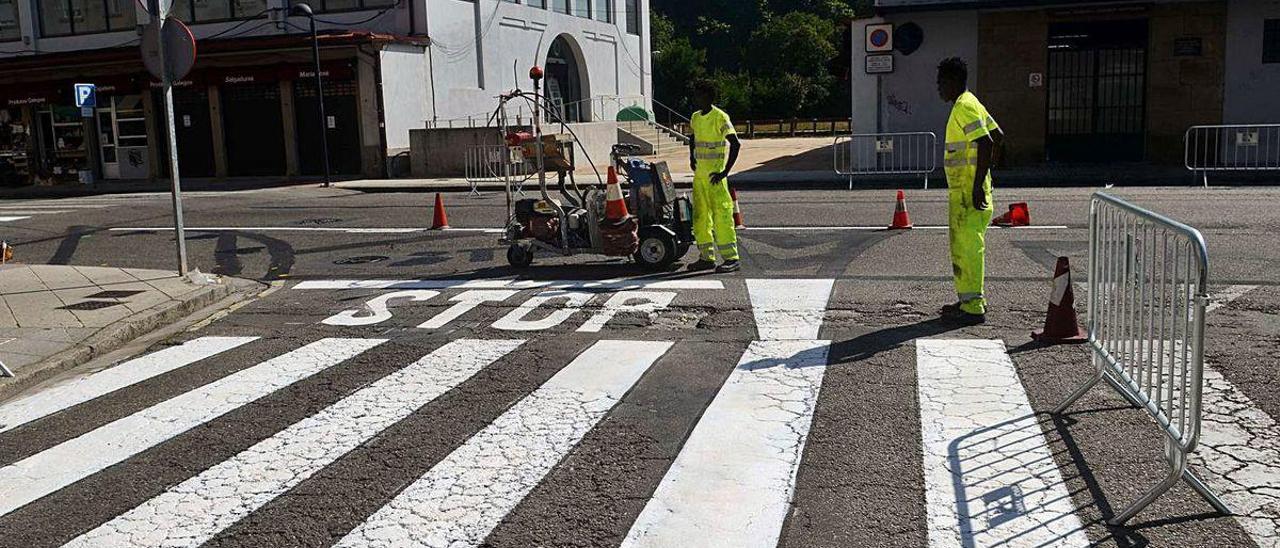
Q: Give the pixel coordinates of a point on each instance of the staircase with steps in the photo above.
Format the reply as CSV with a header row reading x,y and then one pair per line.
x,y
652,138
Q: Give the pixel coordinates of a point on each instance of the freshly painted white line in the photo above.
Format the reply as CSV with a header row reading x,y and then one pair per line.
x,y
602,285
73,460
990,479
11,219
26,211
463,497
788,309
877,228
347,230
197,509
53,207
732,483
83,389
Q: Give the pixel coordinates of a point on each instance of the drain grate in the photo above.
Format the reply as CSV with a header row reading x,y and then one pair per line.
x,y
114,294
90,305
362,259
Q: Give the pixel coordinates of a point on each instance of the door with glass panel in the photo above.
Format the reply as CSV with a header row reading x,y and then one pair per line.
x,y
122,137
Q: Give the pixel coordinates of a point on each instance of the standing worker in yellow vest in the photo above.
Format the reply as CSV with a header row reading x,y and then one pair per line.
x,y
711,161
972,138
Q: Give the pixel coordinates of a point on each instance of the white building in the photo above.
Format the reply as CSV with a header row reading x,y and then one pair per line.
x,y
248,106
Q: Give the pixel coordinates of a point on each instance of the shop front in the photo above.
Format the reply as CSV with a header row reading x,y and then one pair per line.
x,y
342,122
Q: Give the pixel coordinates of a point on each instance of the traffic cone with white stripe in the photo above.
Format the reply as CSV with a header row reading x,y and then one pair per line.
x,y
441,219
615,206
6,252
737,210
1061,325
900,218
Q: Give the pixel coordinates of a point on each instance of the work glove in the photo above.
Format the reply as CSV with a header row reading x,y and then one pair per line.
x,y
719,177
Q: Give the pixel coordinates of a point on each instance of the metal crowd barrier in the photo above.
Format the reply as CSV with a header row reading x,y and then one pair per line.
x,y
912,153
496,164
1148,278
1232,148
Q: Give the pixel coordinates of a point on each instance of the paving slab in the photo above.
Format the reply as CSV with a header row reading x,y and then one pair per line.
x,y
40,336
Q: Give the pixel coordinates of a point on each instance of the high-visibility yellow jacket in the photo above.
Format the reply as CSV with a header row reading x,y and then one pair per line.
x,y
710,149
969,121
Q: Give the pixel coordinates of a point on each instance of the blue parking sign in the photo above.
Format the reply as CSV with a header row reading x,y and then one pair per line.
x,y
86,95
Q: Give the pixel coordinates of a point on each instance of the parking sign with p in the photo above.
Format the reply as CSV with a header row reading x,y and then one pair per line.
x,y
86,95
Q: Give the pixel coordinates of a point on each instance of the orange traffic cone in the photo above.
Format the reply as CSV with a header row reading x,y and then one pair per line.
x,y
441,220
1019,215
615,207
737,210
6,252
900,218
1061,324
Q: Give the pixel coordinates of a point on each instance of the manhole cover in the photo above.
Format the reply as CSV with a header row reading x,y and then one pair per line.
x,y
90,305
115,294
320,221
361,259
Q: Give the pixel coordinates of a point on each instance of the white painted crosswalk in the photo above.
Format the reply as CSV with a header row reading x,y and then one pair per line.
x,y
38,475
203,505
730,479
461,499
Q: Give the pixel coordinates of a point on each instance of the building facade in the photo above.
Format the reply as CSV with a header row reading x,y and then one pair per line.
x,y
1081,82
248,107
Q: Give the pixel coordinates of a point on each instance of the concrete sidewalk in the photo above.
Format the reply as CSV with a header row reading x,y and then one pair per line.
x,y
55,317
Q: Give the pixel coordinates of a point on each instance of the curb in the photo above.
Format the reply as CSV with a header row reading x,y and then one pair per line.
x,y
227,293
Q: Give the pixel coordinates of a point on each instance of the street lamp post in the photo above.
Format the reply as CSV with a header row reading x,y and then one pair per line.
x,y
305,10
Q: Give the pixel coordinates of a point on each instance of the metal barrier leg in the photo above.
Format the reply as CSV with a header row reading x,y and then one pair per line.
x,y
926,181
5,371
1079,392
851,182
1205,174
1176,470
1208,496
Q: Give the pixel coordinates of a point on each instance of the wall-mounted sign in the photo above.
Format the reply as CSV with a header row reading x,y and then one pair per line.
x,y
1035,80
880,64
879,38
1188,47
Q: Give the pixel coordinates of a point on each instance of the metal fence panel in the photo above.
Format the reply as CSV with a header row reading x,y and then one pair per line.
x,y
1148,278
497,164
1240,147
913,153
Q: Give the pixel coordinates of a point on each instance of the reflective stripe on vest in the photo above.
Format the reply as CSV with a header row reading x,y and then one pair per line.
x,y
972,127
708,144
708,156
959,162
957,147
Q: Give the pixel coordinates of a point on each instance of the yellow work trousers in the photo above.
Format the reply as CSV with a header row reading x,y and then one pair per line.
x,y
713,218
968,230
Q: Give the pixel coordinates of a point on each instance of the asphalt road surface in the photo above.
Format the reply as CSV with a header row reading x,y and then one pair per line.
x,y
400,387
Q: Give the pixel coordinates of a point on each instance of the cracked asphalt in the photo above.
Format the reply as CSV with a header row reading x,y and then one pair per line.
x,y
478,446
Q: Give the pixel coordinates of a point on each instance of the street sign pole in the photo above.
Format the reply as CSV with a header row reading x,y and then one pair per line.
x,y
171,134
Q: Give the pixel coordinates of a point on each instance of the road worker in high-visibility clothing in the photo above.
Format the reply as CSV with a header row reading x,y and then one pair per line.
x,y
971,144
712,153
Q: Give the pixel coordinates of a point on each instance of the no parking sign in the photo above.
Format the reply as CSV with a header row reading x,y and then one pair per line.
x,y
879,38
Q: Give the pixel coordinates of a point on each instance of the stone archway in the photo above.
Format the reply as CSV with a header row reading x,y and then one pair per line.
x,y
567,81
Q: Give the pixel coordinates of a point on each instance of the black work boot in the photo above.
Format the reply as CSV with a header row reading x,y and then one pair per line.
x,y
731,265
700,265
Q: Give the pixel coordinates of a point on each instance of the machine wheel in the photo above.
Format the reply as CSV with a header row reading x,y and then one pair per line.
x,y
520,255
657,249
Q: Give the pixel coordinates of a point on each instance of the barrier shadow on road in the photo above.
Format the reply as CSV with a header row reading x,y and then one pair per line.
x,y
870,344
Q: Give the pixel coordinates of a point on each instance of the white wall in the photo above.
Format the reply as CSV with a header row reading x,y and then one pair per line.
x,y
908,98
1250,94
514,37
405,93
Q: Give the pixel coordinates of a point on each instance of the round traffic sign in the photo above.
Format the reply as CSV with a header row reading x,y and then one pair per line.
x,y
879,38
179,49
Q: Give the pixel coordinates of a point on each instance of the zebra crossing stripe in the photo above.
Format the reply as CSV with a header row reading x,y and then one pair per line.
x,y
731,484
36,476
48,402
197,509
461,499
601,285
789,309
990,478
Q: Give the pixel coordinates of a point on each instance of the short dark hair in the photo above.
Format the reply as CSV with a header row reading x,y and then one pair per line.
x,y
954,69
703,85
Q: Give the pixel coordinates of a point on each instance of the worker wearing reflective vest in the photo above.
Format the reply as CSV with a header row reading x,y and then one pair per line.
x,y
712,153
972,138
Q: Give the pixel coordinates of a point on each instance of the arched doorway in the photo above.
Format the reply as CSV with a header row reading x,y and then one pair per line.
x,y
567,83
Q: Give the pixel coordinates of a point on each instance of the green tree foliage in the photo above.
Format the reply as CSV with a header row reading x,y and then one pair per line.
x,y
770,58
